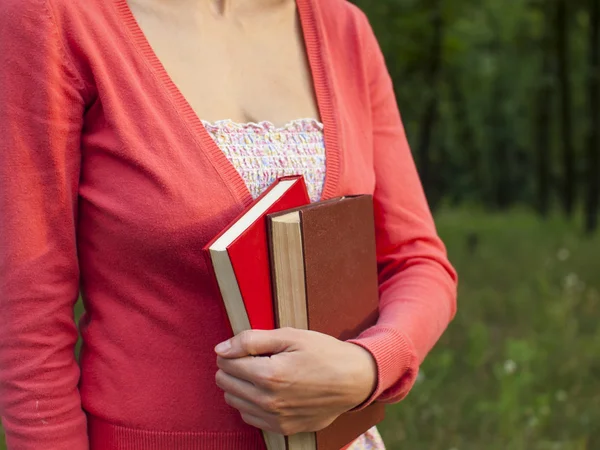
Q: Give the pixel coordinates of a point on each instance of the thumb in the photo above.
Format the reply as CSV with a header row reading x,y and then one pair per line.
x,y
255,343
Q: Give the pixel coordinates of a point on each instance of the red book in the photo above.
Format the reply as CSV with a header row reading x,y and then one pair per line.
x,y
239,260
239,256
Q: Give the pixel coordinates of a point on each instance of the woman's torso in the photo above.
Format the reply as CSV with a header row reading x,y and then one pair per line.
x,y
154,189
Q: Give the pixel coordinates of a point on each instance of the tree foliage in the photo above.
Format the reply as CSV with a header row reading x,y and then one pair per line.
x,y
498,98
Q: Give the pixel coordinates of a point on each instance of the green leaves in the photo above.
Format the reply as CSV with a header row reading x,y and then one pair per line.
x,y
498,64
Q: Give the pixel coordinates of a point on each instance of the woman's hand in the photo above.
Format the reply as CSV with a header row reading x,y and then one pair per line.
x,y
308,380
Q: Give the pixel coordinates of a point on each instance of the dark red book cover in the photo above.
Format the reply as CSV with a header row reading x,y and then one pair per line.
x,y
341,288
249,255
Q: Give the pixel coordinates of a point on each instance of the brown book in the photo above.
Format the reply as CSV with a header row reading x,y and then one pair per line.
x,y
324,271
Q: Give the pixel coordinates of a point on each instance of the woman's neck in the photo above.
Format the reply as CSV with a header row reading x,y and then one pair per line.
x,y
225,7
220,7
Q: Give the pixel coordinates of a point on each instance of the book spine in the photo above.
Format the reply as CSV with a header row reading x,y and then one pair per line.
x,y
216,288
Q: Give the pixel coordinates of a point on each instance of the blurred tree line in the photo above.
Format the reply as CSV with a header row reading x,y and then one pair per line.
x,y
500,99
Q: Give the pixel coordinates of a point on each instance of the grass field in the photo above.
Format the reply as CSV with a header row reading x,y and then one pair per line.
x,y
519,368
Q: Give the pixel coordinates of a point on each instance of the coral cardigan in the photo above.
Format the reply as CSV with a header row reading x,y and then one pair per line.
x,y
110,185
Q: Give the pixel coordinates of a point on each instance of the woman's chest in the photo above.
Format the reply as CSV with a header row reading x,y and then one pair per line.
x,y
151,169
248,68
160,179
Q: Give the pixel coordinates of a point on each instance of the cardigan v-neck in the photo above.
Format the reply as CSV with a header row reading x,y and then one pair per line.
x,y
316,53
110,186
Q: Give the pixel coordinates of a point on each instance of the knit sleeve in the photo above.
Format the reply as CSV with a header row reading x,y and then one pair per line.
x,y
41,109
417,282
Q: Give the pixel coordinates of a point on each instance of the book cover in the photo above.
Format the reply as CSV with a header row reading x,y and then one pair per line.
x,y
325,278
239,255
238,258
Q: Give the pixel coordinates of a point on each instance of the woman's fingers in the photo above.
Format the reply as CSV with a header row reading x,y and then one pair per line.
x,y
261,371
239,388
263,399
246,407
259,418
266,411
256,342
260,423
286,427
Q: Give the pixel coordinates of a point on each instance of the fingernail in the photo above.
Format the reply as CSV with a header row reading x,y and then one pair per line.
x,y
223,347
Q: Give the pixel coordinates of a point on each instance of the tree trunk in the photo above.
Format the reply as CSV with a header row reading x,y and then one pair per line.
x,y
593,178
430,115
465,135
502,148
543,122
563,59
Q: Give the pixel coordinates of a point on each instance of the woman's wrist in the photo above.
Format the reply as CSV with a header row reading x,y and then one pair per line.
x,y
365,378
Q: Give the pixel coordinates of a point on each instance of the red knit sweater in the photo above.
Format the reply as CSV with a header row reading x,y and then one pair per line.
x,y
109,184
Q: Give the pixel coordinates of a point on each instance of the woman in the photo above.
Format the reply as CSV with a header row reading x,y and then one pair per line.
x,y
131,133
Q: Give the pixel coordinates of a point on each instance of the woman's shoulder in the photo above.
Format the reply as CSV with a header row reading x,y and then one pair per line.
x,y
28,21
341,13
344,22
52,32
61,15
14,11
23,9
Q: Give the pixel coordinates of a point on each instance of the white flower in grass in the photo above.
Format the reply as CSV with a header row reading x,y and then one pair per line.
x,y
563,254
510,367
572,281
533,422
561,396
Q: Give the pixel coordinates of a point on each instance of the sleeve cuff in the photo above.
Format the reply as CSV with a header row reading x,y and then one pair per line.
x,y
397,365
71,436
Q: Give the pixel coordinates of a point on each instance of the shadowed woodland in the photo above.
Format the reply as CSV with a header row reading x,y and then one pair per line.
x,y
500,99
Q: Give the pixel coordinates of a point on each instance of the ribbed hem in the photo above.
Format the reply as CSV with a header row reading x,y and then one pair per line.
x,y
107,436
397,365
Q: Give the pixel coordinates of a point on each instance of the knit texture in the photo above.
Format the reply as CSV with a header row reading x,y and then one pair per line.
x,y
110,186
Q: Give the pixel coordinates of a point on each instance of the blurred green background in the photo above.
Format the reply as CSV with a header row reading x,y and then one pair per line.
x,y
501,102
500,99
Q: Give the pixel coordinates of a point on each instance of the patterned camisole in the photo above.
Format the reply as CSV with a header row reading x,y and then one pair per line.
x,y
262,152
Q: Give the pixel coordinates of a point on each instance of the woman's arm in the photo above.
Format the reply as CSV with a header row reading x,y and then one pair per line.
x,y
41,110
417,282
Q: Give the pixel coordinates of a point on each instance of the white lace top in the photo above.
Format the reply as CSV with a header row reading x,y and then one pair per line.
x,y
262,152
